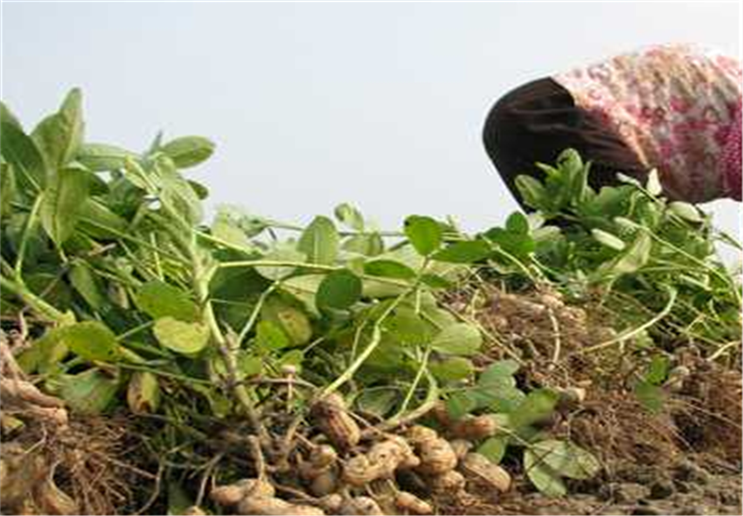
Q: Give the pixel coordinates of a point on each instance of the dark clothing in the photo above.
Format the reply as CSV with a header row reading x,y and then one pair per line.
x,y
536,121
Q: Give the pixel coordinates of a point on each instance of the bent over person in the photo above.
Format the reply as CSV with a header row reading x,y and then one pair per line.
x,y
674,108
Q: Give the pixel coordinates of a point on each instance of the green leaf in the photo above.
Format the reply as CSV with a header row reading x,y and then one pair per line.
x,y
86,284
6,116
686,211
369,244
226,229
494,448
424,233
188,151
389,269
458,339
91,340
657,370
349,216
293,357
187,338
650,396
516,244
435,281
518,223
532,191
20,151
339,290
7,189
378,402
319,241
59,136
98,221
407,328
159,299
499,397
538,405
499,373
247,364
45,353
62,205
178,498
543,477
293,321
460,403
452,369
464,252
100,157
566,459
89,392
176,192
608,239
201,191
270,337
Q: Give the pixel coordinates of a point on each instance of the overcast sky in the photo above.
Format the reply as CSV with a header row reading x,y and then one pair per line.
x,y
313,104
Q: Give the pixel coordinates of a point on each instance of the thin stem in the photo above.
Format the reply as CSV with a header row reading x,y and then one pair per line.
x,y
256,311
40,306
32,216
156,257
414,385
717,354
637,330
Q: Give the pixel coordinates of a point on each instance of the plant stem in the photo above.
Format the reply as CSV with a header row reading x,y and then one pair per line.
x,y
635,331
41,307
30,223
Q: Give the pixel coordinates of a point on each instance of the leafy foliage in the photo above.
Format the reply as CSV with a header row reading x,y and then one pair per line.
x,y
139,297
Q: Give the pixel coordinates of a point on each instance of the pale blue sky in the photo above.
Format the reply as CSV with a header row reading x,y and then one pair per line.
x,y
313,104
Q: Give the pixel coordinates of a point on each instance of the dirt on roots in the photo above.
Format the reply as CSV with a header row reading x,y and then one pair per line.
x,y
682,459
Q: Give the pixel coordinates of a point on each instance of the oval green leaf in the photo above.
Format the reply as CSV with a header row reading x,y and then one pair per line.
x,y
188,151
452,369
100,157
63,201
159,299
91,340
388,269
339,290
458,339
319,241
543,477
90,392
424,233
182,337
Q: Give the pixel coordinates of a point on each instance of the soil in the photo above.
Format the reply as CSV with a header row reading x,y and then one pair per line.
x,y
682,459
692,484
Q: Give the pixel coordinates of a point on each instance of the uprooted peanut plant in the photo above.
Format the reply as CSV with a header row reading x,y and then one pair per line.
x,y
153,362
